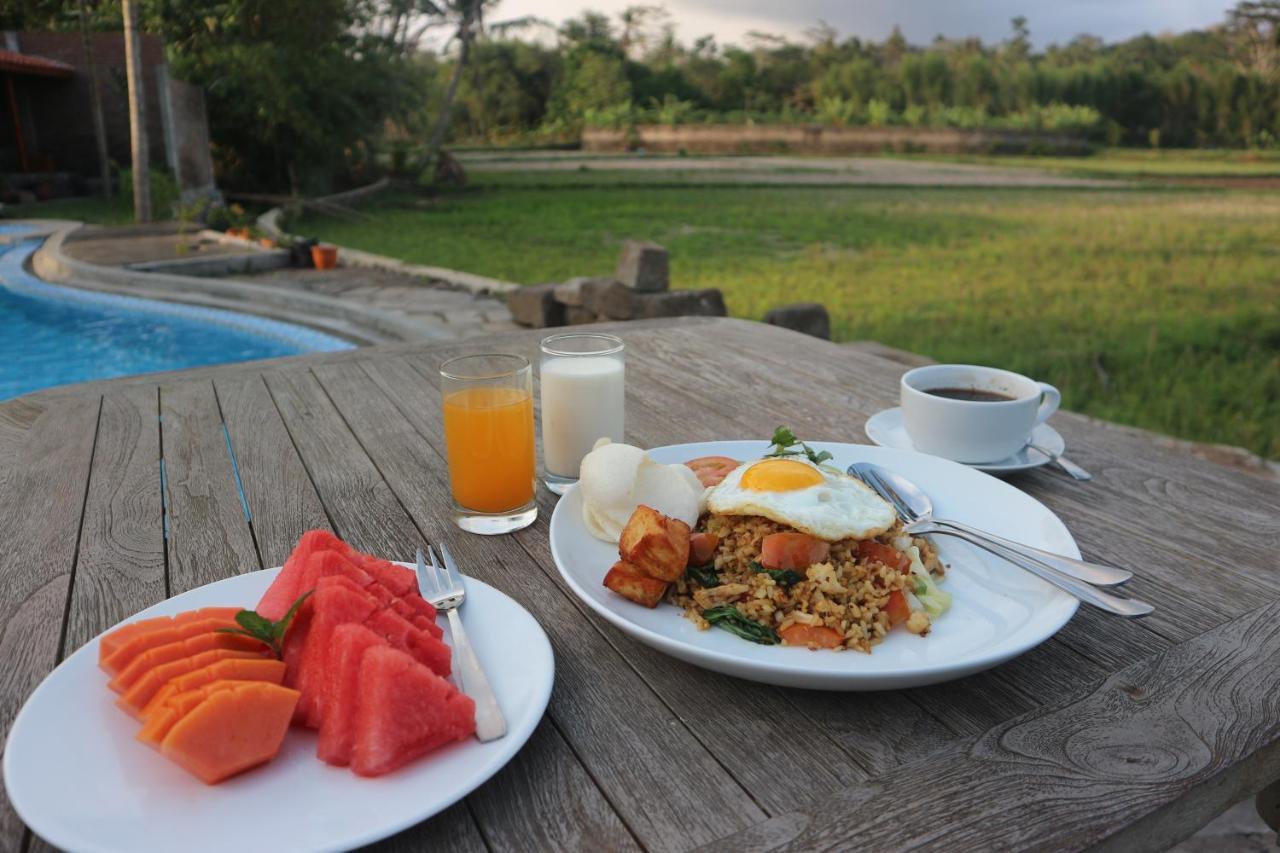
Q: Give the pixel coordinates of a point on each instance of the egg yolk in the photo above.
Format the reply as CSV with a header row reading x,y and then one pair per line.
x,y
779,475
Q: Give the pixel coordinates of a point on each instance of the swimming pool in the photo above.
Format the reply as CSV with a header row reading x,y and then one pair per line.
x,y
53,335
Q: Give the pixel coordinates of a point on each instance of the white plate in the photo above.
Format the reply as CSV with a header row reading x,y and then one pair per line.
x,y
997,612
886,429
78,778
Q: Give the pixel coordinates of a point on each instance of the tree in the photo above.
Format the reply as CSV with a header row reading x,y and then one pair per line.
x,y
1255,34
141,154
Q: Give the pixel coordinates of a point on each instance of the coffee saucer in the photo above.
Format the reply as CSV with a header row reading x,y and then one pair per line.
x,y
886,429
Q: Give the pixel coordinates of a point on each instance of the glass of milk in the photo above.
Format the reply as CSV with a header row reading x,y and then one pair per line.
x,y
582,401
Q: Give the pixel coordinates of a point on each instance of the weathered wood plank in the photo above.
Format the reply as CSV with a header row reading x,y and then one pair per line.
x,y
44,494
364,510
452,829
626,746
283,503
209,537
569,812
1139,763
120,567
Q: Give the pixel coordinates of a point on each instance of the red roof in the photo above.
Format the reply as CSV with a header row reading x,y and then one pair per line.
x,y
19,63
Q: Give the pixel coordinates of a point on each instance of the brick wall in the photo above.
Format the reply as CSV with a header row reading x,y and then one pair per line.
x,y
58,112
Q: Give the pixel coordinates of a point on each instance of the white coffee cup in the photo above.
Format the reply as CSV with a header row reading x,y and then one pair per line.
x,y
969,430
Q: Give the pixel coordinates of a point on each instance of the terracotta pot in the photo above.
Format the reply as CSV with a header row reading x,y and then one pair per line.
x,y
266,242
324,257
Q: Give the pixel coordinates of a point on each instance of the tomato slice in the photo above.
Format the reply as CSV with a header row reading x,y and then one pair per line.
x,y
792,551
897,608
702,547
891,557
712,469
813,636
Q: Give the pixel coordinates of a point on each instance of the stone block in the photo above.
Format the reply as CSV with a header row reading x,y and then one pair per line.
x,y
643,266
576,290
535,305
576,315
679,303
811,318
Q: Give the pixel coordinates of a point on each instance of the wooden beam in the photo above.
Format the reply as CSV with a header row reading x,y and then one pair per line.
x,y
18,136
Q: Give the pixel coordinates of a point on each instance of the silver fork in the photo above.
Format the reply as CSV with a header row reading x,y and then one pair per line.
x,y
1074,586
447,594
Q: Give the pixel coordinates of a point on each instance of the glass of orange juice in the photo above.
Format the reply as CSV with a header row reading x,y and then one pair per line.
x,y
488,433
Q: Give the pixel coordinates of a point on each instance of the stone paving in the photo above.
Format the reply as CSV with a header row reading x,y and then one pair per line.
x,y
442,314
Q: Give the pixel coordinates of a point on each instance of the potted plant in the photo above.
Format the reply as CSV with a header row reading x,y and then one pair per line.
x,y
324,256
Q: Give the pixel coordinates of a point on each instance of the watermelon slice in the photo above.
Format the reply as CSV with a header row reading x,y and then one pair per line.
x,y
342,691
336,601
405,711
287,586
423,647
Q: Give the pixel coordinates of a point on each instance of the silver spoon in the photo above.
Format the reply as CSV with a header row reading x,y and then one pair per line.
x,y
1074,576
1062,462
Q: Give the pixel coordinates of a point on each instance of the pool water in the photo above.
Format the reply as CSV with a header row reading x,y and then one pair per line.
x,y
53,335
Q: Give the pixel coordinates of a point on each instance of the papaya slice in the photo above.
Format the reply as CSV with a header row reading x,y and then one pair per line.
x,y
133,700
112,642
239,669
129,651
178,705
202,642
231,731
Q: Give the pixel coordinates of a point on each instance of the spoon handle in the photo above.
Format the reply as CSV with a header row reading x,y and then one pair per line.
x,y
1129,607
1093,573
1074,470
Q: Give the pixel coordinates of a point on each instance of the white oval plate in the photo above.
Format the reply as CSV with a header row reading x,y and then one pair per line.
x,y
998,611
886,429
80,781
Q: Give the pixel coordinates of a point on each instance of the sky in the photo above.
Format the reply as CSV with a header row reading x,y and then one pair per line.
x,y
1051,21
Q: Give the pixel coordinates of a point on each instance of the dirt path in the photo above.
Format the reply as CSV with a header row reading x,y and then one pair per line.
x,y
853,171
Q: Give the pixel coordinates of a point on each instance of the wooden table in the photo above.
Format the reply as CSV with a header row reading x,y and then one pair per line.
x,y
1124,734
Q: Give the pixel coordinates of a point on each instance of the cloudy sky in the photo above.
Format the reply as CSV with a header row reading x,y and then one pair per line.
x,y
1050,20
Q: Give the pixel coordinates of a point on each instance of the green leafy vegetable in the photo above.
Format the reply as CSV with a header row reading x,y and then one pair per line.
x,y
785,444
727,617
782,577
704,576
263,629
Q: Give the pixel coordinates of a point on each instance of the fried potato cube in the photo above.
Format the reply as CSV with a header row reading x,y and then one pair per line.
x,y
655,544
627,581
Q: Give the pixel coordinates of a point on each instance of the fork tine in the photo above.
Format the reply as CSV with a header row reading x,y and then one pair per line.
x,y
451,568
435,571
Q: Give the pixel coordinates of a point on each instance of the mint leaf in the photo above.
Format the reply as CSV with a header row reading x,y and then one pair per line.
x,y
263,629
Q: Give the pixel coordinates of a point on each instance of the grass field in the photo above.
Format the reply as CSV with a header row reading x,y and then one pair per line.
x,y
117,210
1159,309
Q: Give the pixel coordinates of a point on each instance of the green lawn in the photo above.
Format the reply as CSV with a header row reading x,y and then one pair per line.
x,y
1154,308
117,210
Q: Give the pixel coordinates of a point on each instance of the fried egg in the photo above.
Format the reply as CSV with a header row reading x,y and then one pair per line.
x,y
795,492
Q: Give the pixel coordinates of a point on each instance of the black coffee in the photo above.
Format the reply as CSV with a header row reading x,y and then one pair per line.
x,y
973,395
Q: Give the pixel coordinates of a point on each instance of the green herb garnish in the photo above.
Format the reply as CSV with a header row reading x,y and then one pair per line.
x,y
782,577
263,629
921,588
704,576
726,616
785,444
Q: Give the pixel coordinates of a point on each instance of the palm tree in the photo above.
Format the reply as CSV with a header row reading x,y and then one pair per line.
x,y
470,24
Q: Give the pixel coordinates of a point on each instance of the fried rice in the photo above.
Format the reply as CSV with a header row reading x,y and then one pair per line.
x,y
847,593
